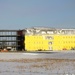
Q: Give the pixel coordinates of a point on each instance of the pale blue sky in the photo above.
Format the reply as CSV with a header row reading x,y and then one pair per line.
x,y
20,14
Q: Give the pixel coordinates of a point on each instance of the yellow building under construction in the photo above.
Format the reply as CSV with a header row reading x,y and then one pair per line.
x,y
49,39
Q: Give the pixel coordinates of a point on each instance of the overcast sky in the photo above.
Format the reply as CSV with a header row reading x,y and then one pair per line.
x,y
20,14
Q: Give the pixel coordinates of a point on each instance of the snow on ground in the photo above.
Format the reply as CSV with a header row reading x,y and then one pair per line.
x,y
40,64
